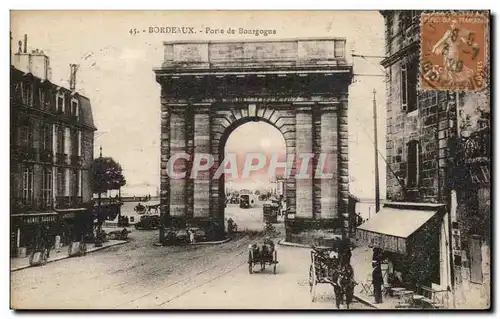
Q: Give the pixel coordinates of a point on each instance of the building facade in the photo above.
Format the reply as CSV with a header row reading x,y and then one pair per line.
x,y
299,86
438,152
52,143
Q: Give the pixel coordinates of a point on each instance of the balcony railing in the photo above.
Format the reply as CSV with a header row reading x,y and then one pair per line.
x,y
21,205
68,202
61,158
24,153
108,201
46,156
76,160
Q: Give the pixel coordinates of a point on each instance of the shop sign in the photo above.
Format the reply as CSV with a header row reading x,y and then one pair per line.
x,y
39,219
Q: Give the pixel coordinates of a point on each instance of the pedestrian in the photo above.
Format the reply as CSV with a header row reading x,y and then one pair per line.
x,y
378,281
46,239
377,255
58,243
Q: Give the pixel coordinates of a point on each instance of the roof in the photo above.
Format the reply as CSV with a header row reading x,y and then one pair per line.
x,y
397,222
85,105
86,111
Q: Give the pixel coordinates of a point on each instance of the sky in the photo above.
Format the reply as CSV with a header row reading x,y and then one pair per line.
x,y
116,74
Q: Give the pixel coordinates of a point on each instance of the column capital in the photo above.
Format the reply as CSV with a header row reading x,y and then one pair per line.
x,y
304,108
202,109
329,107
177,107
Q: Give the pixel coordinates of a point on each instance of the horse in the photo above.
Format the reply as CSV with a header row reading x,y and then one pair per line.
x,y
152,207
343,285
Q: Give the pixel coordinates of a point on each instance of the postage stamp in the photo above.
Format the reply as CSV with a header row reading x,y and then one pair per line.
x,y
454,51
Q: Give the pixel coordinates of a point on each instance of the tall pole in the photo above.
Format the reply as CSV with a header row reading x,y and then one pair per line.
x,y
377,190
99,202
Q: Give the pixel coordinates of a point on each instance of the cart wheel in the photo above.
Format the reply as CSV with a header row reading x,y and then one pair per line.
x,y
250,268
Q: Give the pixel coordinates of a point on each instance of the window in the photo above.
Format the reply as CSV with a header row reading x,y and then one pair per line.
x,y
76,184
28,185
46,137
404,86
60,103
339,49
60,140
26,135
18,91
409,87
67,141
28,94
74,108
47,186
41,96
79,143
75,143
413,164
61,181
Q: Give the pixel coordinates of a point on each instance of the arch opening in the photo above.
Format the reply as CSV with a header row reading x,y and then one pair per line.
x,y
242,190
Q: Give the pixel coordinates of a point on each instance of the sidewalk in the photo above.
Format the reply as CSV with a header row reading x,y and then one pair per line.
x,y
22,263
361,261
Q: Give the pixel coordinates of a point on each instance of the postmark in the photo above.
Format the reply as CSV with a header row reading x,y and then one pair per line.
x,y
454,51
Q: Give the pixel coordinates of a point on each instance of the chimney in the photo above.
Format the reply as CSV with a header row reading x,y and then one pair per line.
x,y
25,43
72,77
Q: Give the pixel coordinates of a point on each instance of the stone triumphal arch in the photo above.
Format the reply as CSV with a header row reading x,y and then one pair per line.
x,y
210,88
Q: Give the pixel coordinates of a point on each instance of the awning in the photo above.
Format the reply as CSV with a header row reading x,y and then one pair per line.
x,y
391,227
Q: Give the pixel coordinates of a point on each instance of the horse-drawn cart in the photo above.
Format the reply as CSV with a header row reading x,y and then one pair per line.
x,y
262,254
327,268
324,263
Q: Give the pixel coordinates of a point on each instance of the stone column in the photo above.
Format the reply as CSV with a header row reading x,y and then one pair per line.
x,y
202,179
215,209
189,126
343,171
329,186
304,187
178,145
164,155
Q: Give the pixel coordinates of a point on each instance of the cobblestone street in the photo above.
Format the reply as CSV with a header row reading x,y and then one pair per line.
x,y
139,275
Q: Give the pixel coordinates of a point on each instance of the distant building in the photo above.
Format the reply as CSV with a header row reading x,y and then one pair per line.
x,y
438,177
52,143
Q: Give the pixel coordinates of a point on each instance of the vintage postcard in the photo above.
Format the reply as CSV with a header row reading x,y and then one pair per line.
x,y
180,160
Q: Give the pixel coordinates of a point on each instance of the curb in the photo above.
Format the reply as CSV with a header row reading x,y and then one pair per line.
x,y
288,244
202,243
212,242
91,250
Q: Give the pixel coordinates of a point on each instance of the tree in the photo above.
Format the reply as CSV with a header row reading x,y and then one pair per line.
x,y
107,174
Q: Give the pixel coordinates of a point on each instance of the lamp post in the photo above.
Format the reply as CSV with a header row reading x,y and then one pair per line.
x,y
98,231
